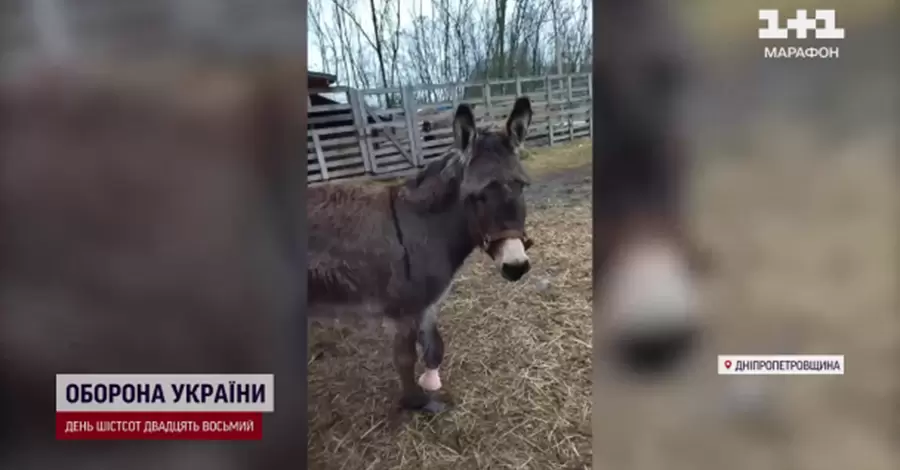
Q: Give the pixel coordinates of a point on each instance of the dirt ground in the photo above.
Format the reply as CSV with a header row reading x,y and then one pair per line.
x,y
518,356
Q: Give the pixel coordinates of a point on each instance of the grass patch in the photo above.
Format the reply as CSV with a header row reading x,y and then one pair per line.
x,y
547,160
541,161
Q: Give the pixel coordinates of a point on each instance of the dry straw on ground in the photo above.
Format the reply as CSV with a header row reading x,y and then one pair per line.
x,y
518,357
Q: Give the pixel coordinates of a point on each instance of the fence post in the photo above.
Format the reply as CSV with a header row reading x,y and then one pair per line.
x,y
360,124
548,84
591,101
410,110
487,100
320,156
519,95
569,108
364,120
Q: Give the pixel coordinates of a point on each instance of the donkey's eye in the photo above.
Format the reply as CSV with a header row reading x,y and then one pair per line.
x,y
496,186
478,197
515,187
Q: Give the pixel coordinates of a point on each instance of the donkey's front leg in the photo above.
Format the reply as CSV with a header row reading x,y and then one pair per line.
x,y
433,355
414,397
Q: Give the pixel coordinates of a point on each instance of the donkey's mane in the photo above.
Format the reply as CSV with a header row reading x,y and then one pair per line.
x,y
436,184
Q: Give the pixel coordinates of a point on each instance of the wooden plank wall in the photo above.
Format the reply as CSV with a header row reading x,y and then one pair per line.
x,y
361,139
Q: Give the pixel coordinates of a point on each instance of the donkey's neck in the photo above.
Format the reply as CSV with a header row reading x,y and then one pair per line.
x,y
439,216
451,225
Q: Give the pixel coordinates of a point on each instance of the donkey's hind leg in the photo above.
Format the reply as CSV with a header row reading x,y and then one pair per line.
x,y
414,397
433,355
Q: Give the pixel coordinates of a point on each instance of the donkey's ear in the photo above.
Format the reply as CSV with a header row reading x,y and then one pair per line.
x,y
452,169
463,127
519,120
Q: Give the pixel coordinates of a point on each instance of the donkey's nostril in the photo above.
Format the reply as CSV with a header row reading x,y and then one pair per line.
x,y
515,271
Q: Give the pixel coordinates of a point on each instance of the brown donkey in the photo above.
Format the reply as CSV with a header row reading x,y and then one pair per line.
x,y
393,251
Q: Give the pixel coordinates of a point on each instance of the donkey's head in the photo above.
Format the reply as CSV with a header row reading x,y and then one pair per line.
x,y
491,186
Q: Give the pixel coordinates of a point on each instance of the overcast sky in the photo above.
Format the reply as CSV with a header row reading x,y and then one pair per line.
x,y
364,15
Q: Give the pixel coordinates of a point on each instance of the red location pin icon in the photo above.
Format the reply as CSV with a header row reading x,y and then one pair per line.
x,y
727,364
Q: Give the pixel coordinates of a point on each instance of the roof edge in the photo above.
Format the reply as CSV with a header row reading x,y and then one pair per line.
x,y
321,76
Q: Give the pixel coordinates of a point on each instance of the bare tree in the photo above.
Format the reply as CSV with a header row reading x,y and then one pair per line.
x,y
392,42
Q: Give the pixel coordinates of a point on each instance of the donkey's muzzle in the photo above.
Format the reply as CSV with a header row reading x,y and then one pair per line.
x,y
512,259
654,353
515,271
652,305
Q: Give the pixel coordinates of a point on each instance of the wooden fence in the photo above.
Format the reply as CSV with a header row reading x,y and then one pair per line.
x,y
357,139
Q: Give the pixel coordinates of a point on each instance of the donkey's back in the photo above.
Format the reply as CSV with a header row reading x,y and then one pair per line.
x,y
354,254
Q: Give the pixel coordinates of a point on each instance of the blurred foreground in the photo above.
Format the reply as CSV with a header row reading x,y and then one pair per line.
x,y
794,190
147,213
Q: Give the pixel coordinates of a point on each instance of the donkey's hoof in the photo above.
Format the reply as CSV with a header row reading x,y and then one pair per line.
x,y
423,404
434,407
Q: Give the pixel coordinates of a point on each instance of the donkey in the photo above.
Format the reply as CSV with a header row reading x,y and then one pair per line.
x,y
645,261
392,251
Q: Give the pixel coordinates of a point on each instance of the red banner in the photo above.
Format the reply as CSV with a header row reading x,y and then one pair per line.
x,y
104,425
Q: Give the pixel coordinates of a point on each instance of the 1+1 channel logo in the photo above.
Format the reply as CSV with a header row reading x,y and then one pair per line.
x,y
823,24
